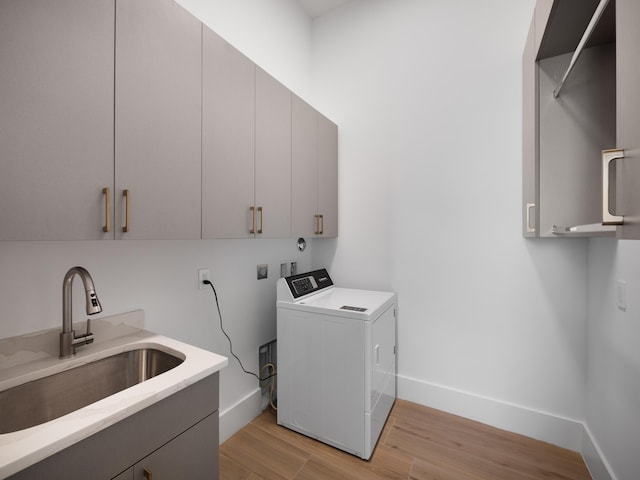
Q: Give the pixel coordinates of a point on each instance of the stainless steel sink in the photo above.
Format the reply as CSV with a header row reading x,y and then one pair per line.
x,y
50,397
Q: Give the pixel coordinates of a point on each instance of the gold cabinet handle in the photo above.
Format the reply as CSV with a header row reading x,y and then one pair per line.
x,y
609,156
530,229
319,224
261,220
253,220
107,209
147,474
125,193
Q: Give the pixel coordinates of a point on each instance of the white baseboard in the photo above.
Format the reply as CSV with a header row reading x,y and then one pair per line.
x,y
561,431
593,457
240,414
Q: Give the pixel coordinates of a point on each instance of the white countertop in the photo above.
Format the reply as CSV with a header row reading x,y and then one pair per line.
x,y
33,356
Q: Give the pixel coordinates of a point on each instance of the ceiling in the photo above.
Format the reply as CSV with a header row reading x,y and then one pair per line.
x,y
316,8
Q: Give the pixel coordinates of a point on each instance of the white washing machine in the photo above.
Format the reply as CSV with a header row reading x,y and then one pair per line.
x,y
336,361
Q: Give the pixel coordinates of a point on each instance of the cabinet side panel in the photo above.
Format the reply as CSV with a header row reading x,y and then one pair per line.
x,y
529,138
628,105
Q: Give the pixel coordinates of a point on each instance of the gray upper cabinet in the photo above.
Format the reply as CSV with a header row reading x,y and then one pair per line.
x,y
128,119
314,173
157,121
228,140
565,131
327,177
304,168
56,119
273,158
628,114
246,157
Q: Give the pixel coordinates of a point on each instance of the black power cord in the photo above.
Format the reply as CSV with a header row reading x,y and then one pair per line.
x,y
215,294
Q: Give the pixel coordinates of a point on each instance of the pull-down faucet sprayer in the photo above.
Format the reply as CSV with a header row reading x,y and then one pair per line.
x,y
68,339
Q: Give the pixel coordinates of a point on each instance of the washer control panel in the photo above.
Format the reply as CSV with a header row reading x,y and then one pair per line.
x,y
310,282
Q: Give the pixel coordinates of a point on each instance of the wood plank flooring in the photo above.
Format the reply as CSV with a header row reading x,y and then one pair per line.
x,y
417,443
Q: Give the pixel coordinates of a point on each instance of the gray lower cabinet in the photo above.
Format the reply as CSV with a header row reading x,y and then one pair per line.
x,y
174,438
56,118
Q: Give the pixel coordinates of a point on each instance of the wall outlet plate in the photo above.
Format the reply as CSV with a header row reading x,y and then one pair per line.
x,y
263,271
203,274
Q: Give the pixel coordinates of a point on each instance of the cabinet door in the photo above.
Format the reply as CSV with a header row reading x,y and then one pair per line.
x,y
304,168
328,176
193,454
628,116
314,170
126,475
56,119
228,126
158,120
272,157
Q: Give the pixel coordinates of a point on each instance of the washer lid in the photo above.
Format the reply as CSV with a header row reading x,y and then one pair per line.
x,y
345,302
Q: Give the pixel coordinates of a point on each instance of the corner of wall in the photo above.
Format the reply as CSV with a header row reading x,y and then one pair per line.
x,y
593,457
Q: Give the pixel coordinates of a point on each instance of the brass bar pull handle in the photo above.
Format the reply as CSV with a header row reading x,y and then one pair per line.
x,y
317,232
125,193
321,225
253,220
147,474
261,220
609,156
107,210
530,229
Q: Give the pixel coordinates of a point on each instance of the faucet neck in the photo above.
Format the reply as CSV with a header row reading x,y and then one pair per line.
x,y
93,305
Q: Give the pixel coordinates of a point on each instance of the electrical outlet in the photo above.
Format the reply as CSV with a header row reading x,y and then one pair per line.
x,y
203,274
263,271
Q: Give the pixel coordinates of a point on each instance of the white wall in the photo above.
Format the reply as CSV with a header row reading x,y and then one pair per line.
x,y
275,34
427,95
613,386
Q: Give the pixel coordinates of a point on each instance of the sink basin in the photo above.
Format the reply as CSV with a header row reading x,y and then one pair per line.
x,y
50,397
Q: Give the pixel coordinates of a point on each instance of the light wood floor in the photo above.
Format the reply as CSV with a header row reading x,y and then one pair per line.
x,y
417,443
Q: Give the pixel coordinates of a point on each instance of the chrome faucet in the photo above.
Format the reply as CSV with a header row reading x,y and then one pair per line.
x,y
68,339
